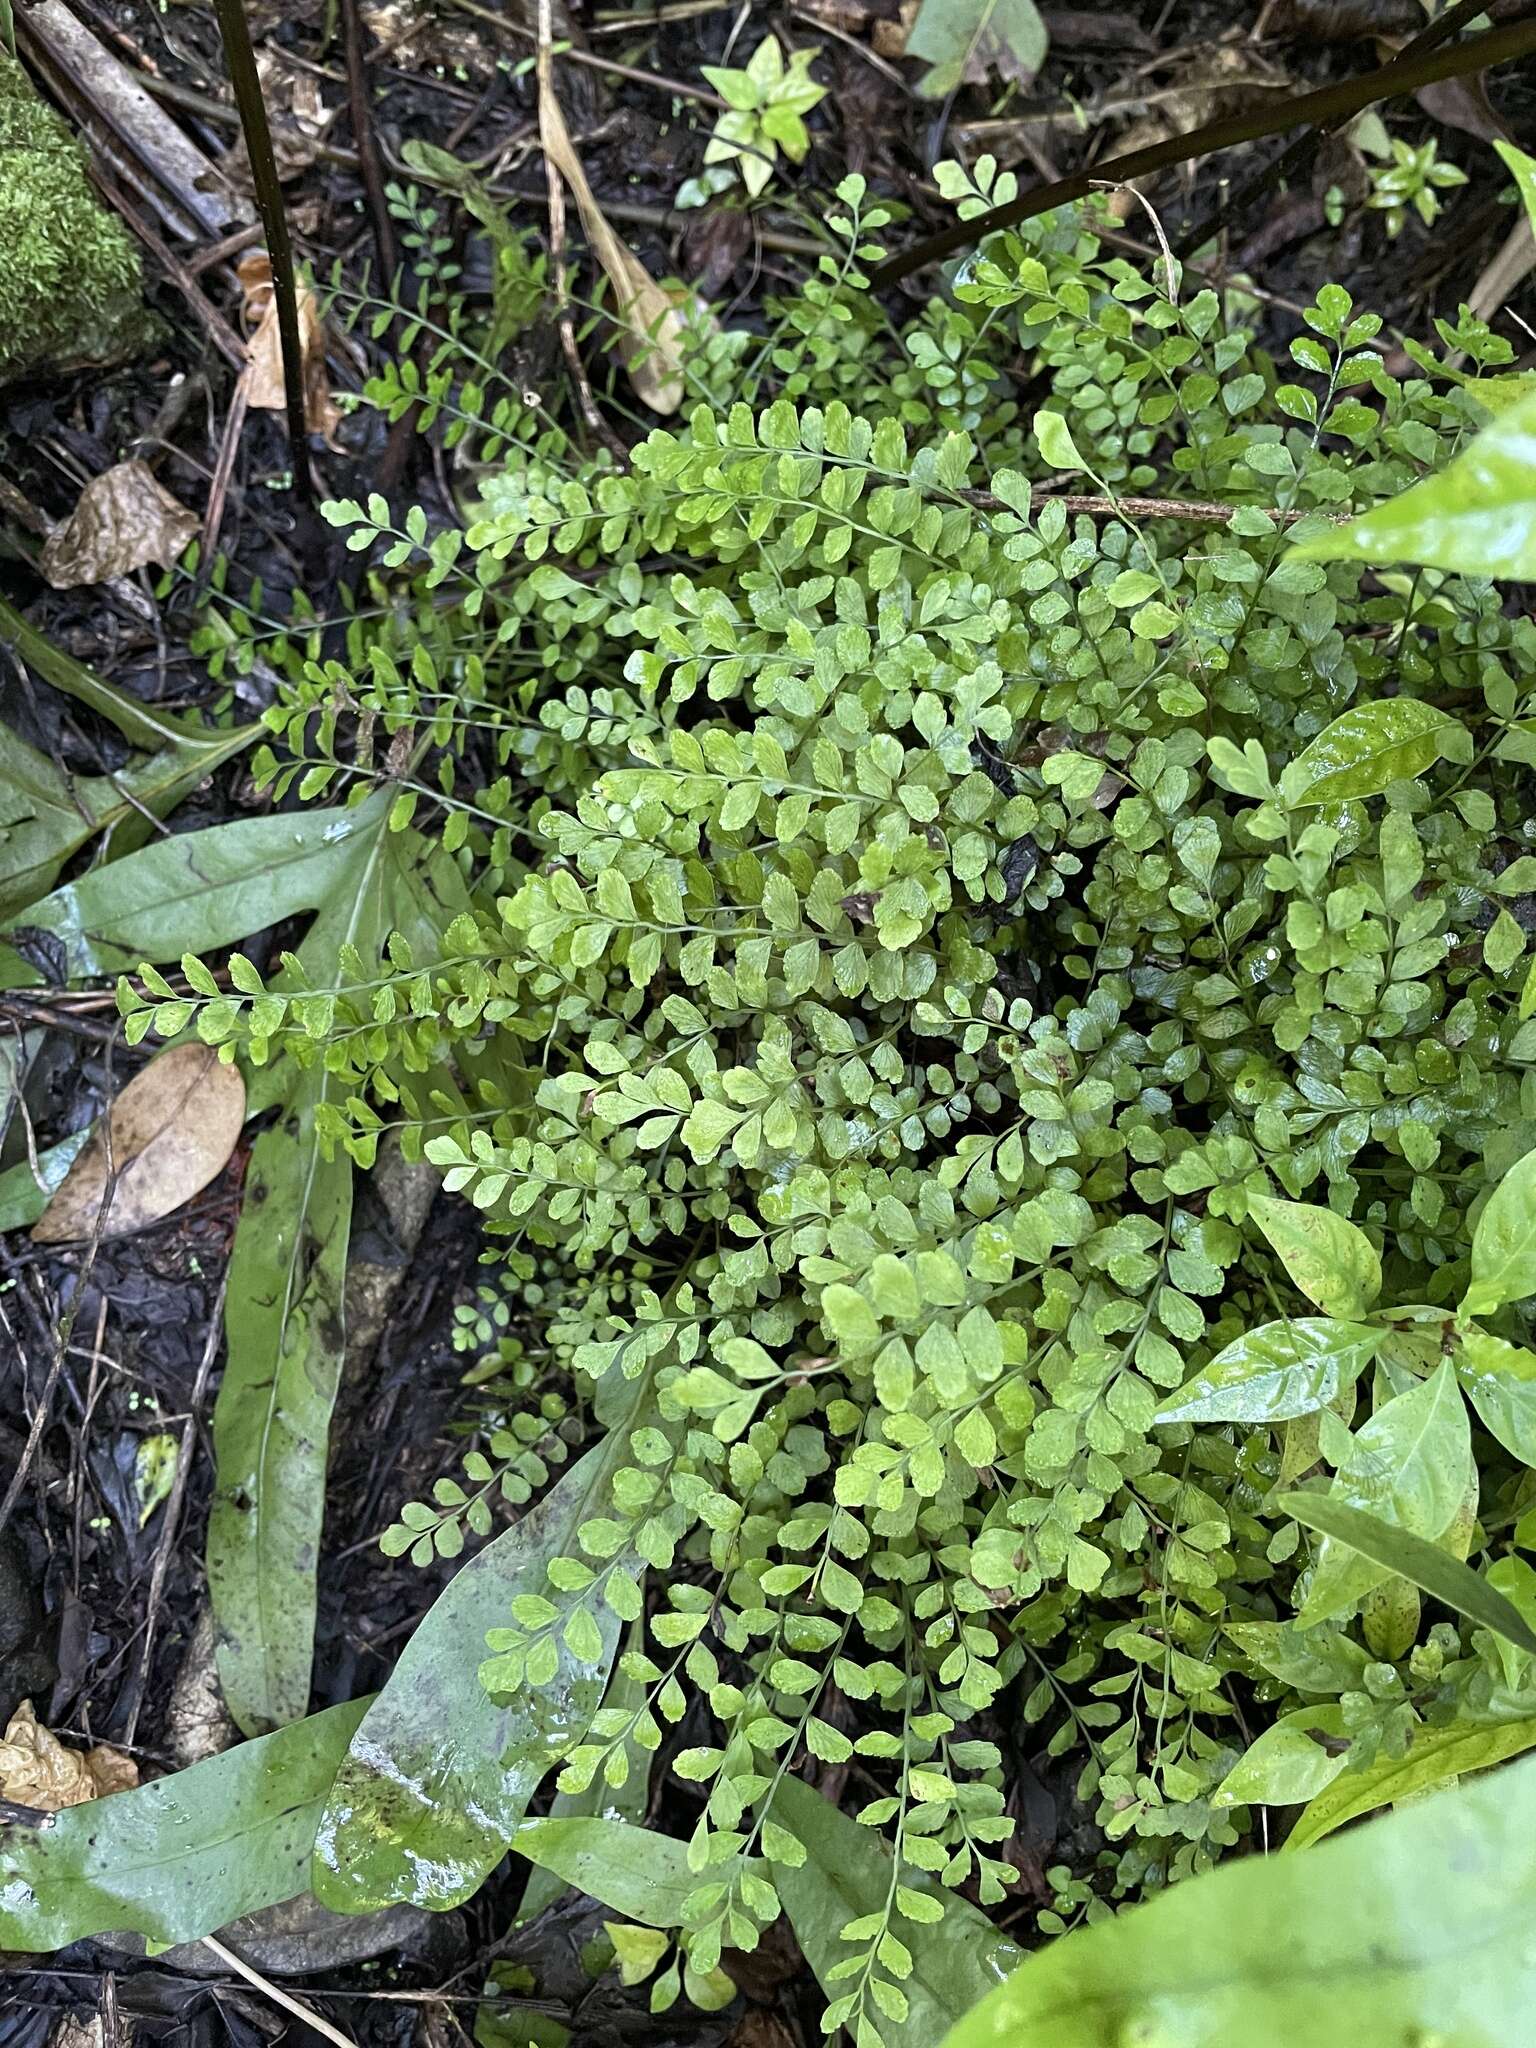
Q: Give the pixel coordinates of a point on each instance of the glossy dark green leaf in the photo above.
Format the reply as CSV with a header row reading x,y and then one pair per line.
x,y
631,1870
1504,1242
1329,1258
1435,1757
1412,1929
439,1776
846,1874
1477,515
1433,1571
1366,750
1277,1371
183,1855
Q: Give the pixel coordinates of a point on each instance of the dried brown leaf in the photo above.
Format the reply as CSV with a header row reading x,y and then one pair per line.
x,y
124,519
654,322
262,378
297,114
37,1770
172,1129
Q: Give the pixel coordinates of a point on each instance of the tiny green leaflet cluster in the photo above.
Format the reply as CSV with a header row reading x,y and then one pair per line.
x,y
990,1028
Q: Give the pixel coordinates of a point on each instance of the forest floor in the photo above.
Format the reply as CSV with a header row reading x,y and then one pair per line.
x,y
101,1602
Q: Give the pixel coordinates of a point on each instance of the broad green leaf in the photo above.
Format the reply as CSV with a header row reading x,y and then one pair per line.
x,y
1275,1372
45,816
286,1335
1512,1576
1321,1659
1414,1928
600,1800
1500,1382
283,1312
439,1776
1435,1757
1477,515
1433,1571
1329,1258
1408,1467
847,1873
183,1855
198,892
971,39
1287,1765
1504,1243
631,1870
1366,750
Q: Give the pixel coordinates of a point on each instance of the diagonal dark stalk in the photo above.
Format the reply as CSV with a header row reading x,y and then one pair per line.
x,y
1329,104
236,34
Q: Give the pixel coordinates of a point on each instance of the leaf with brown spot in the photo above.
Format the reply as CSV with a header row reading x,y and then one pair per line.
x,y
125,518
171,1130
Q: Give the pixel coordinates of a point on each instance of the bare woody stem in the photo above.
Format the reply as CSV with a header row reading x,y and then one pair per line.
x,y
1330,104
236,34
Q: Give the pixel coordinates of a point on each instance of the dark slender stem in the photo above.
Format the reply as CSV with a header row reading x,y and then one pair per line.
x,y
1296,154
1331,103
235,31
359,105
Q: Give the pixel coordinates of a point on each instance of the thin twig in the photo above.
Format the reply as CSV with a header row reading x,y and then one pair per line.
x,y
278,1996
172,1518
1330,103
360,108
243,76
1200,512
66,1329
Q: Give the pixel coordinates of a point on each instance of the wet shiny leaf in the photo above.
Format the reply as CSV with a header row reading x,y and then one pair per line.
x,y
182,1856
1366,750
1277,1371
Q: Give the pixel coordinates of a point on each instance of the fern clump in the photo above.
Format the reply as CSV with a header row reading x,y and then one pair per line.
x,y
941,931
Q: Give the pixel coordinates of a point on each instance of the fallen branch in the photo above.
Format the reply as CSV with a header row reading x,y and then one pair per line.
x,y
1330,104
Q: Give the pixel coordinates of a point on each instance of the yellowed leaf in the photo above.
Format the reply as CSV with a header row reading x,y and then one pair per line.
x,y
261,381
125,518
172,1129
654,321
37,1770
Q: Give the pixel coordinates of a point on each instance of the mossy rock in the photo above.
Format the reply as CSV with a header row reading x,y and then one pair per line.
x,y
71,284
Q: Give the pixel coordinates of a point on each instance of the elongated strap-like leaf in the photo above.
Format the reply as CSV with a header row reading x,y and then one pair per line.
x,y
271,1422
182,1856
1435,1757
439,1775
1433,1571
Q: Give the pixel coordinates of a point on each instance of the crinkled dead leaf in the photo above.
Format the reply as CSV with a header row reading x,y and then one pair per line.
x,y
125,518
37,1770
654,322
262,378
172,1129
